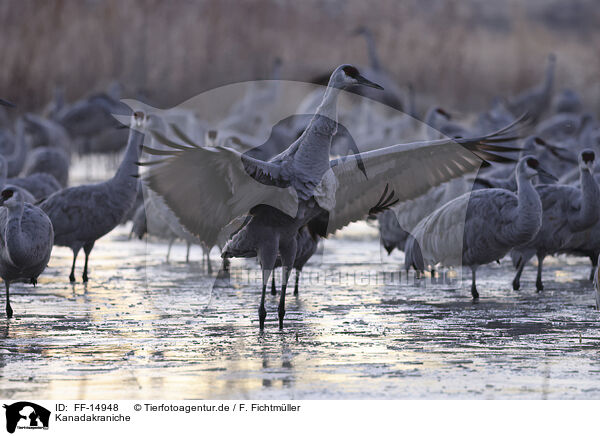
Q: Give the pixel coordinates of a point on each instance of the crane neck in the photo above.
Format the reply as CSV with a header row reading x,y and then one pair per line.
x,y
589,212
373,58
549,79
328,106
529,211
17,159
127,172
311,151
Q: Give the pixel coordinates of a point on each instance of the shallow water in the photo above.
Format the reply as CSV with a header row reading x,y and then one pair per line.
x,y
143,328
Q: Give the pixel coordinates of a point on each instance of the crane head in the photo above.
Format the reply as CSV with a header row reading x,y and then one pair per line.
x,y
10,197
348,75
586,160
530,167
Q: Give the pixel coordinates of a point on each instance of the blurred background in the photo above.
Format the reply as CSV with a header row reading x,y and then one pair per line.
x,y
459,54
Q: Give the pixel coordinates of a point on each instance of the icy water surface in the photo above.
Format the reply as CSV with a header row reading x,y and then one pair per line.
x,y
143,328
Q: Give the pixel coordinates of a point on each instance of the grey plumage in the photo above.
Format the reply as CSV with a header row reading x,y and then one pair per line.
x,y
159,214
26,237
139,201
567,101
82,214
439,124
567,210
396,223
15,149
478,227
25,195
48,160
40,185
561,127
586,243
145,221
47,133
90,122
391,233
494,118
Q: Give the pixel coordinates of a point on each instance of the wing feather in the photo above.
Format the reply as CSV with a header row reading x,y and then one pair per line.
x,y
410,170
207,188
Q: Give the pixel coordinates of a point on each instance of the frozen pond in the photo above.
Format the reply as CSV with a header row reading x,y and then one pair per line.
x,y
146,329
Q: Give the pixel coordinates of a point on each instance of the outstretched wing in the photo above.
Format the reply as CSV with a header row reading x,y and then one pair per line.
x,y
410,170
207,188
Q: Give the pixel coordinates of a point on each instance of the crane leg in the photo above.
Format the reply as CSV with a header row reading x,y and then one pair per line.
x,y
538,281
297,279
287,251
72,275
224,271
474,292
9,311
273,287
516,284
87,249
594,259
267,255
169,249
262,312
208,265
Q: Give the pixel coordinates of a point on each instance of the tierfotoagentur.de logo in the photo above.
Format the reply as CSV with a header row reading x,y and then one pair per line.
x,y
24,415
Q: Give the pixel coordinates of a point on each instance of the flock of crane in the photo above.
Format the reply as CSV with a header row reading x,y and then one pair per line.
x,y
469,194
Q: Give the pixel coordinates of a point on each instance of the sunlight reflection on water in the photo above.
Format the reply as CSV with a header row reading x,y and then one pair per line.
x,y
142,329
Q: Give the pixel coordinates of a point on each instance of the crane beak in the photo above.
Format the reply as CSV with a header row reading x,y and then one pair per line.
x,y
543,172
6,103
366,82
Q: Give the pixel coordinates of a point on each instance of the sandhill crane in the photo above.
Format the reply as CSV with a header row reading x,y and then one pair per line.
x,y
392,95
566,210
505,177
47,133
49,160
567,102
207,188
25,195
56,104
91,124
494,118
147,221
438,125
40,185
82,214
26,237
478,227
250,114
535,101
396,223
15,149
